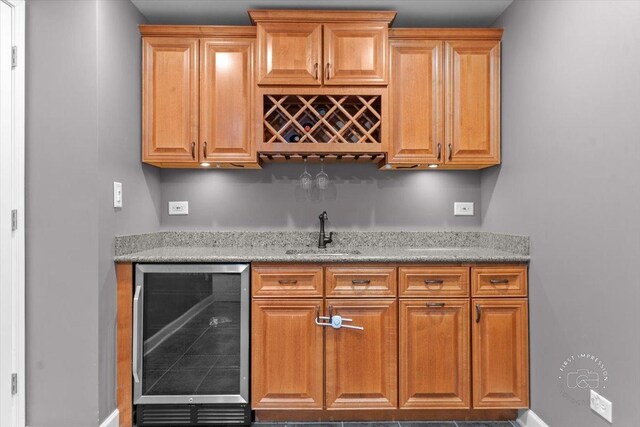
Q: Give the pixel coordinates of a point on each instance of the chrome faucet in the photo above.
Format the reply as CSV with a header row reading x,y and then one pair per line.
x,y
322,238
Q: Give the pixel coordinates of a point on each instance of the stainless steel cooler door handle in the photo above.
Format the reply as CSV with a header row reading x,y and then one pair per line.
x,y
136,319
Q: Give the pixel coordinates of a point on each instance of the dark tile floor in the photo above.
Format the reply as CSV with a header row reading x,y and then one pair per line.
x,y
397,424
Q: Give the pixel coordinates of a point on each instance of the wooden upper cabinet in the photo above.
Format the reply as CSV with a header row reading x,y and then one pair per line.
x,y
416,103
434,354
472,76
170,100
226,100
500,353
361,366
314,47
287,355
289,54
355,54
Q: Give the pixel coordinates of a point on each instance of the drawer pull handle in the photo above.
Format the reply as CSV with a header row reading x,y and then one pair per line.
x,y
434,281
361,281
498,281
435,304
287,282
478,313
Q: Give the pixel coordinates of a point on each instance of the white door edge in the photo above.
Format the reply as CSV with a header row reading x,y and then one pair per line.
x,y
14,174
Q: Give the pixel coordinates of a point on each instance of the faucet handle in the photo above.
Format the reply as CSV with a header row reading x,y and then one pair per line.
x,y
330,238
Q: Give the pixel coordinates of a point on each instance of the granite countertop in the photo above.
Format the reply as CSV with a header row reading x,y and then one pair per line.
x,y
292,247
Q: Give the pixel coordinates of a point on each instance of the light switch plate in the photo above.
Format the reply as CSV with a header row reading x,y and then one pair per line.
x,y
179,208
601,406
463,208
117,194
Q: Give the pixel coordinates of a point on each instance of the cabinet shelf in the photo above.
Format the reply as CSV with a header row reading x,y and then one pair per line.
x,y
322,123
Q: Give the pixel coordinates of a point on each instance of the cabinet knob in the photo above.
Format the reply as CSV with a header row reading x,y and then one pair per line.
x,y
450,151
315,70
287,282
439,151
193,150
434,281
498,281
204,149
361,282
478,313
328,73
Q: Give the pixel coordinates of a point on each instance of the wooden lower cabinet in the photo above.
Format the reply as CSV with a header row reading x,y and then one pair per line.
x,y
500,353
434,354
361,366
287,355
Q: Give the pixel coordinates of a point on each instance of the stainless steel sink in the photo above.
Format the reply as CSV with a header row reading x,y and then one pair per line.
x,y
323,252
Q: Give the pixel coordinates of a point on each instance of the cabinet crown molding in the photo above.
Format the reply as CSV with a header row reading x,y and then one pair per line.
x,y
446,33
227,31
322,16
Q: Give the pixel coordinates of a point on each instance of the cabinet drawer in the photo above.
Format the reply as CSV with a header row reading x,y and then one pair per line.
x,y
508,281
361,281
286,282
434,281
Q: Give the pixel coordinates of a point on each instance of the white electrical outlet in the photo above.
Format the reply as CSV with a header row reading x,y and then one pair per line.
x,y
463,208
117,194
602,406
178,208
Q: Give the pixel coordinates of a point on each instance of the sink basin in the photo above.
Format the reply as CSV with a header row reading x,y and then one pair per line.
x,y
323,252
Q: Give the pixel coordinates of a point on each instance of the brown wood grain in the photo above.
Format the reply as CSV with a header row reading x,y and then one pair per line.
x,y
287,281
362,366
499,281
170,88
124,343
416,102
226,100
287,354
389,414
435,369
472,102
355,54
289,54
361,281
433,281
500,353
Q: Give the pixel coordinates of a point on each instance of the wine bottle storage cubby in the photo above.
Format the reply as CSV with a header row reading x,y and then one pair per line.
x,y
322,123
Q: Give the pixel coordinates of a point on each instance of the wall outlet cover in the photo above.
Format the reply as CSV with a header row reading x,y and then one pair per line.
x,y
117,194
463,209
179,208
601,406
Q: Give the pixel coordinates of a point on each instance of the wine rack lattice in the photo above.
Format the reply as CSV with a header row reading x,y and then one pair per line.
x,y
321,123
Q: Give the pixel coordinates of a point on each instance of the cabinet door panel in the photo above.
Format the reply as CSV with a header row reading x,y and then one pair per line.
x,y
434,354
355,54
472,102
226,100
415,91
286,354
500,353
289,54
361,366
170,100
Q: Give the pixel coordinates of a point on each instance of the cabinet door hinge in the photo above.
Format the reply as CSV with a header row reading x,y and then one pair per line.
x,y
14,220
14,56
14,384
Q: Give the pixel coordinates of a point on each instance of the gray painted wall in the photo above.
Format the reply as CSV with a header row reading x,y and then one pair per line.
x,y
570,179
119,104
360,198
83,133
61,214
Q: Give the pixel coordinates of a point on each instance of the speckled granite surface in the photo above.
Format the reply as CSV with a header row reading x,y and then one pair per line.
x,y
300,246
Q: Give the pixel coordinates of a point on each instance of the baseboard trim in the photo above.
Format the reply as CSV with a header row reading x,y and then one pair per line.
x,y
528,418
113,420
